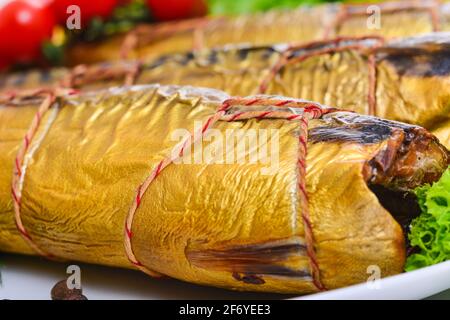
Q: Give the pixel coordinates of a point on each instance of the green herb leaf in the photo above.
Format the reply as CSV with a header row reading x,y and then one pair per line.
x,y
249,6
123,19
53,53
430,232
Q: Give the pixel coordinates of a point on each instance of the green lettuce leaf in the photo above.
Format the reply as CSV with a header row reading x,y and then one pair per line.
x,y
250,6
430,232
230,7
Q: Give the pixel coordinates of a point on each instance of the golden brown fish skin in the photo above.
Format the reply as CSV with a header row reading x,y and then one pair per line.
x,y
398,19
197,220
397,165
411,83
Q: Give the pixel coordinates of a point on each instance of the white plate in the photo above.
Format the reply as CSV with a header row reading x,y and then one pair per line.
x,y
33,278
417,284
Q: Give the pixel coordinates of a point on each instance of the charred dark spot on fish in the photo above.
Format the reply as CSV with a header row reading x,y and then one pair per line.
x,y
212,57
352,127
242,54
320,46
421,56
271,259
351,133
268,53
254,252
45,76
186,58
263,52
181,59
421,65
280,271
249,279
157,62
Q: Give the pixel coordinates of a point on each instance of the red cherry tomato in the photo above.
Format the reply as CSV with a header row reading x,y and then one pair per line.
x,y
176,9
88,8
24,26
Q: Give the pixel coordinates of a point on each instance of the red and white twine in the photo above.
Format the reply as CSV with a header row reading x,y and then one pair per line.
x,y
339,45
18,172
82,75
48,97
178,152
347,11
309,110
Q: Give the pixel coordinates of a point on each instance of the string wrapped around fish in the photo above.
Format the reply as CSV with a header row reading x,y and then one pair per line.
x,y
163,179
307,23
404,80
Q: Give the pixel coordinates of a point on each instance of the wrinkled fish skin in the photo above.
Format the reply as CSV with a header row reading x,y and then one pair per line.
x,y
224,225
412,76
398,19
